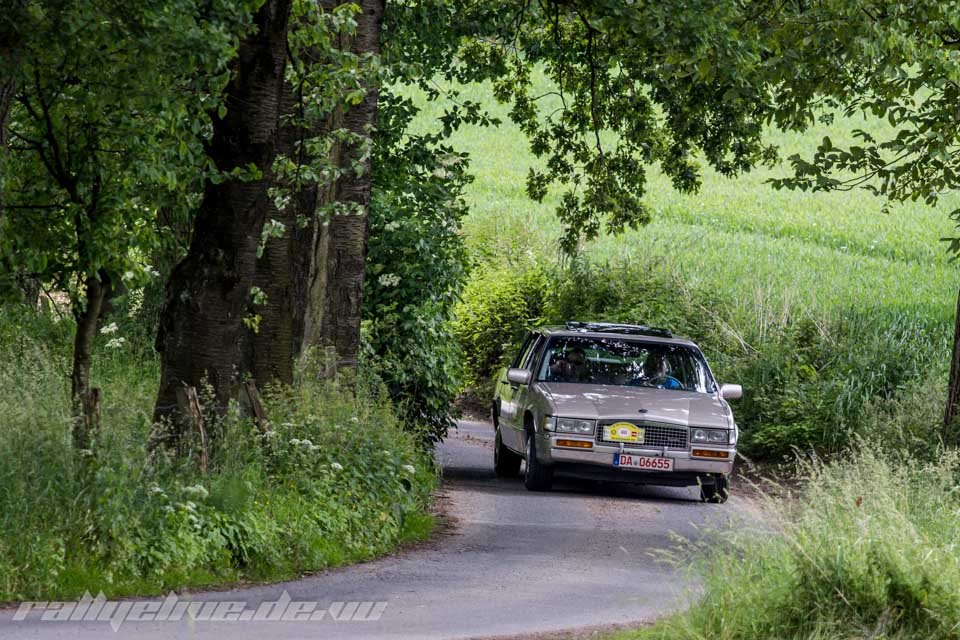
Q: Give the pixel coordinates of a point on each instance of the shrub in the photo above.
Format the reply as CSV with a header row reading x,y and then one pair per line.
x,y
416,265
813,384
635,292
499,303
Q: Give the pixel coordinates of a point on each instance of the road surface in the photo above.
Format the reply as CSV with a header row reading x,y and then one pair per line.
x,y
511,563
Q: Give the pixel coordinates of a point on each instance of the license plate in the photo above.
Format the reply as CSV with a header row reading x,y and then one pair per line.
x,y
623,432
644,463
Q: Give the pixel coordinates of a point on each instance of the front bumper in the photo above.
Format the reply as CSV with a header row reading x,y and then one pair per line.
x,y
598,461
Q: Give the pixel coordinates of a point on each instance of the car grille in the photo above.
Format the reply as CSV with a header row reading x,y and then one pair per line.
x,y
655,435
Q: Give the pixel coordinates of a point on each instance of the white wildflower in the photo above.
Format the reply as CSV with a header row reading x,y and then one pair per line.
x,y
110,328
449,159
116,343
440,173
336,466
197,490
389,280
354,419
153,273
393,225
128,275
409,468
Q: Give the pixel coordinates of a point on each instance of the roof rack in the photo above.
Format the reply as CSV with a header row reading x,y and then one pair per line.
x,y
609,327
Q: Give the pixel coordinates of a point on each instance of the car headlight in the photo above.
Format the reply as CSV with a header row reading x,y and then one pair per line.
x,y
571,425
710,436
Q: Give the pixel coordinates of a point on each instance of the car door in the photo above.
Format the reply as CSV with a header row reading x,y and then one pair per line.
x,y
506,391
520,394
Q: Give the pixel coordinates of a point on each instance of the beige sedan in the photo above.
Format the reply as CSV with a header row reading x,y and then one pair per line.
x,y
614,402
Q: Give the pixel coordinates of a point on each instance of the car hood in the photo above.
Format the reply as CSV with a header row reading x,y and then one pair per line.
x,y
601,402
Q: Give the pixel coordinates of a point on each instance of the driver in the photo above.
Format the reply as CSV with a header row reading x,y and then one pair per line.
x,y
656,372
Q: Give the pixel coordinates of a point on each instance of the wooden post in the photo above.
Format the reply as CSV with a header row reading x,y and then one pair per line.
x,y
188,405
250,400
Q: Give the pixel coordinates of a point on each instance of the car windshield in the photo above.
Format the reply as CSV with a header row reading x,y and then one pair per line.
x,y
618,361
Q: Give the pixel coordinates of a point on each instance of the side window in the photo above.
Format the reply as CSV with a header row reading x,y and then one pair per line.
x,y
531,356
524,351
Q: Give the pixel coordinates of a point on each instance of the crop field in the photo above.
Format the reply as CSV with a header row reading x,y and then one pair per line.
x,y
741,238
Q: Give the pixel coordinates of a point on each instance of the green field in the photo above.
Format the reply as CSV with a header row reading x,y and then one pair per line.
x,y
739,237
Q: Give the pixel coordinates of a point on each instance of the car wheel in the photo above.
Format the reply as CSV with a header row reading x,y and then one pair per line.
x,y
506,463
538,477
714,489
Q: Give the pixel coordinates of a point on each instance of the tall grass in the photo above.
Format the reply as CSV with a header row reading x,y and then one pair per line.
x,y
337,480
868,551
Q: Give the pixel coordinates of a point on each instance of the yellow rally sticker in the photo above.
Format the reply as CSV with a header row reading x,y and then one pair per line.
x,y
623,432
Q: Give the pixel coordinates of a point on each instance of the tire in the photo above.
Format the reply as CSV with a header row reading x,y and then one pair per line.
x,y
537,477
713,489
506,463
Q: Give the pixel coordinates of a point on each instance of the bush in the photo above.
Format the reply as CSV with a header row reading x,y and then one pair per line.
x,y
337,480
633,292
499,304
868,551
416,265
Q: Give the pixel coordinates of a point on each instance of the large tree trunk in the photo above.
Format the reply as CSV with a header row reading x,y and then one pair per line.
x,y
333,317
313,276
950,425
285,268
209,294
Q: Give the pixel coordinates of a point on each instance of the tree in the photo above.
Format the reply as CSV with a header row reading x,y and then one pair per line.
x,y
312,265
336,318
96,143
633,84
210,293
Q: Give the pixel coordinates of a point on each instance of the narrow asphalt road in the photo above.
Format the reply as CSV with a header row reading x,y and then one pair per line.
x,y
512,563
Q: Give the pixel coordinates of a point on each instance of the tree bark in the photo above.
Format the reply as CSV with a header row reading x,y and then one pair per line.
x,y
336,289
950,435
201,329
284,271
84,399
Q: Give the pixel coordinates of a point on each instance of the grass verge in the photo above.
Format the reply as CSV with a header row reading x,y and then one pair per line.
x,y
869,550
337,480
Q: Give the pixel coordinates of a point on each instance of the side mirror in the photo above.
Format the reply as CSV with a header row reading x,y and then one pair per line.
x,y
731,391
518,376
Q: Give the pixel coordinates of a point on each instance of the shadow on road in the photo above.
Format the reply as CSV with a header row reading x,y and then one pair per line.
x,y
484,480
